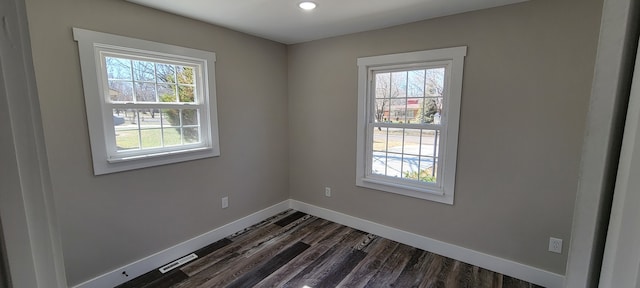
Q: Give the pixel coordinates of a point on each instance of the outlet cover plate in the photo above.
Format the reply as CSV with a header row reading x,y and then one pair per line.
x,y
555,245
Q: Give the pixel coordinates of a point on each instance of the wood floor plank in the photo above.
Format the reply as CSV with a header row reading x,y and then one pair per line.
x,y
169,279
391,269
254,258
325,233
275,218
212,247
289,233
447,273
365,242
220,273
252,278
436,272
289,219
415,270
202,277
464,275
326,264
328,269
377,253
318,247
481,278
337,271
246,240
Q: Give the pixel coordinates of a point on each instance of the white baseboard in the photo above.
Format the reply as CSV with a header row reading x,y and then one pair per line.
x,y
156,260
493,263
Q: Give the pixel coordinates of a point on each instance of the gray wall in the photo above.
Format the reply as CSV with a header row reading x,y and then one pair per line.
x,y
115,219
526,87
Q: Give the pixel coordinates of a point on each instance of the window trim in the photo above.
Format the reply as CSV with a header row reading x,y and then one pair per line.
x,y
449,135
90,46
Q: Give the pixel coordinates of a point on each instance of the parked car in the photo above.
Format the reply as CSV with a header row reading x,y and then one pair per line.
x,y
117,120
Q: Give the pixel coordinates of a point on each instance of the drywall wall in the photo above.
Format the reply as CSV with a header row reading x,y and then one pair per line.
x,y
112,220
527,81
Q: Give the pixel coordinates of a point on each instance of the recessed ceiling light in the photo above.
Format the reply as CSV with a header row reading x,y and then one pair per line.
x,y
307,5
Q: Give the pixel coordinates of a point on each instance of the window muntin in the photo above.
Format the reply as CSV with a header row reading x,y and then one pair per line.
x,y
147,103
408,115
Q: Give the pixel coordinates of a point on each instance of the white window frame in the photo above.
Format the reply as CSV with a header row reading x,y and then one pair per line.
x,y
106,159
453,61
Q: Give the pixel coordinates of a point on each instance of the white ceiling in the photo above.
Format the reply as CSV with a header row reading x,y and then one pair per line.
x,y
283,21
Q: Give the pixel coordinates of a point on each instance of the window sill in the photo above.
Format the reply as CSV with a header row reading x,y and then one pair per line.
x,y
156,154
144,161
434,194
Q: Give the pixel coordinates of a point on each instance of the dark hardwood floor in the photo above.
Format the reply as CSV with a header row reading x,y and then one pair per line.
x,y
293,249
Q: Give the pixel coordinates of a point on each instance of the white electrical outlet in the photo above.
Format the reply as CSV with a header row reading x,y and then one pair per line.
x,y
555,245
327,191
225,202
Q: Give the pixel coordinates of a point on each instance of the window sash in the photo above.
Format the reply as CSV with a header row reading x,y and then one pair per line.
x,y
197,65
440,129
115,155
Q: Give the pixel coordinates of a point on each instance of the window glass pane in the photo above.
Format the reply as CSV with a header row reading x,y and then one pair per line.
x,y
191,135
144,71
411,142
410,150
380,139
120,91
379,163
399,84
151,138
125,124
127,140
186,93
383,85
149,118
434,82
189,117
394,143
427,170
398,110
171,136
414,106
381,110
394,164
170,117
430,143
185,75
118,117
416,83
431,110
165,73
118,69
410,166
145,92
167,92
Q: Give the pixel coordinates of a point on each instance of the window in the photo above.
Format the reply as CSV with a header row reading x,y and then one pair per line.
x,y
408,114
147,103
